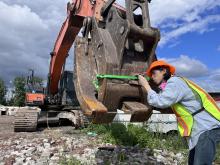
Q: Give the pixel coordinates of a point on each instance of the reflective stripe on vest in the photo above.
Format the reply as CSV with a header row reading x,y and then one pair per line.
x,y
185,118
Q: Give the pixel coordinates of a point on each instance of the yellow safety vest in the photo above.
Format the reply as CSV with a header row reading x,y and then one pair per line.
x,y
185,118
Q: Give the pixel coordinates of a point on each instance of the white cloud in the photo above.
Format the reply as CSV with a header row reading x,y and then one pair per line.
x,y
178,17
22,34
20,17
28,32
186,10
208,84
215,75
189,67
197,71
200,25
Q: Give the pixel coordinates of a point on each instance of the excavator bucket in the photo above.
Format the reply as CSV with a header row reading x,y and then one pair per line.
x,y
121,43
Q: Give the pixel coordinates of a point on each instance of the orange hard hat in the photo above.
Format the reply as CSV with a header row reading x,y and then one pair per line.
x,y
162,64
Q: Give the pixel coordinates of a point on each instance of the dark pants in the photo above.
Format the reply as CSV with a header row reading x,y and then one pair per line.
x,y
204,151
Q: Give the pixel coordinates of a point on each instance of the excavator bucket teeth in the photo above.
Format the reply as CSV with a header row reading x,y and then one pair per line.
x,y
139,112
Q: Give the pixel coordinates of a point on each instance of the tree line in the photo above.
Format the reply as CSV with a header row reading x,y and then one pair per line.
x,y
18,91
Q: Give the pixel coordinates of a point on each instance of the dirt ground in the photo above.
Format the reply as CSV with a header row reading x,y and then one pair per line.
x,y
65,145
46,146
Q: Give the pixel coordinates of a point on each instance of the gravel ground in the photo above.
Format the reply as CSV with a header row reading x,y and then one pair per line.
x,y
60,145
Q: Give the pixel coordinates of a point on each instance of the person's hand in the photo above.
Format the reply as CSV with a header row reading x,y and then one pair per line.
x,y
143,82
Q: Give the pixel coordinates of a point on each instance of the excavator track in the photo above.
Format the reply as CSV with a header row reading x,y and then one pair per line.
x,y
26,120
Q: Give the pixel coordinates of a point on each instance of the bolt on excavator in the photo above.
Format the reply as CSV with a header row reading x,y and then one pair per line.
x,y
116,44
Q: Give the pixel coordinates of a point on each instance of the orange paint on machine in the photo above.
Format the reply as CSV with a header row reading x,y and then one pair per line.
x,y
33,99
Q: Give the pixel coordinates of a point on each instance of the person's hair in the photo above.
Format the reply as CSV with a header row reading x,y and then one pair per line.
x,y
167,75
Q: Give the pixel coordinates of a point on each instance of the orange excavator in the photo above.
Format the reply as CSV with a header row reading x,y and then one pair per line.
x,y
115,44
34,95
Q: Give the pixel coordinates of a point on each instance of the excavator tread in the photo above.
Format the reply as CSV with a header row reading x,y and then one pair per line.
x,y
26,120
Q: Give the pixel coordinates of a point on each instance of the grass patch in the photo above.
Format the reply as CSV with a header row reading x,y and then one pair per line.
x,y
131,135
69,161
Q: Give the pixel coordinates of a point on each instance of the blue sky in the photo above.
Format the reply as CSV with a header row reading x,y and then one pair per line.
x,y
190,38
204,47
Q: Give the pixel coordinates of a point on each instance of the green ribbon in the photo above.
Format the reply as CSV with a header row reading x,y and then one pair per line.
x,y
109,76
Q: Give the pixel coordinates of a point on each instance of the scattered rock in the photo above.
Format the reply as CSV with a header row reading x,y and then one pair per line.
x,y
46,145
50,146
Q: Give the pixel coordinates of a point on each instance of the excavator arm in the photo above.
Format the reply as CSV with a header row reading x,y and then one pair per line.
x,y
77,10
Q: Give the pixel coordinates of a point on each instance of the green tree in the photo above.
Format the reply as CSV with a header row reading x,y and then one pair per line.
x,y
2,92
19,93
38,80
10,102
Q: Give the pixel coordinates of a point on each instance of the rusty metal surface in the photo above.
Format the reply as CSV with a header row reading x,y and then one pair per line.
x,y
121,44
139,112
